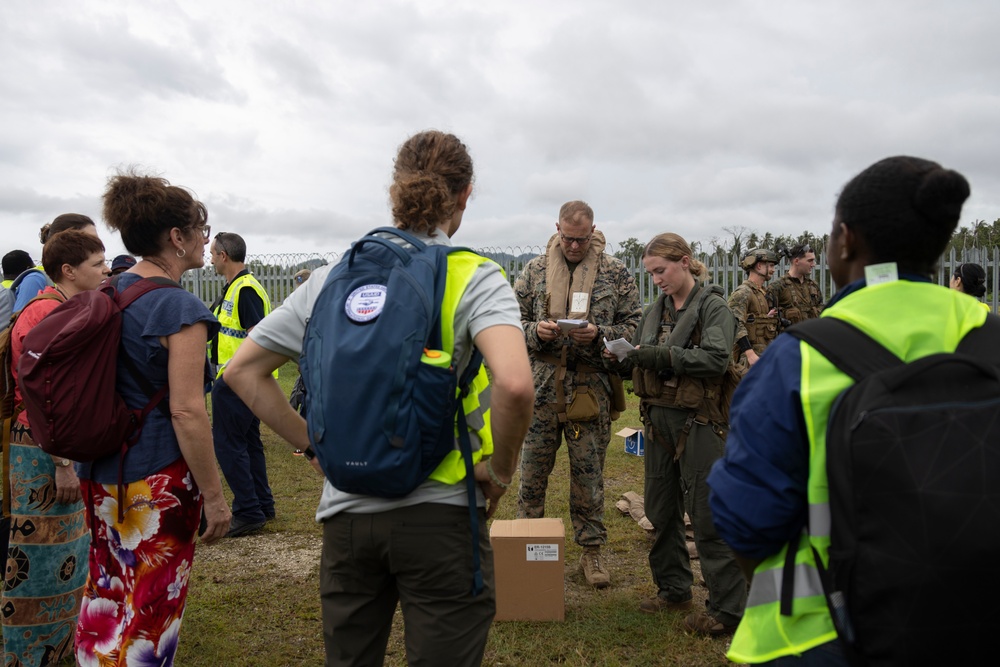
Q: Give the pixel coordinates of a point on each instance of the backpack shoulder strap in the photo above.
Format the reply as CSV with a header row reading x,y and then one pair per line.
x,y
982,341
138,288
847,347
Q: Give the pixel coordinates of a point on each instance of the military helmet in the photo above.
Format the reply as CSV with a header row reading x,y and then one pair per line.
x,y
757,255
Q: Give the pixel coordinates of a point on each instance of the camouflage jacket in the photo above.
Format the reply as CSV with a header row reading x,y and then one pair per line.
x,y
614,308
749,304
797,300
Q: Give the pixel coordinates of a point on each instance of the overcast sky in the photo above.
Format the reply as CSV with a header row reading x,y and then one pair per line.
x,y
284,117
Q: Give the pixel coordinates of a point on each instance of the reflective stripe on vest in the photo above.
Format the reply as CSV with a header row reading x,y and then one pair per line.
x,y
461,267
894,314
231,333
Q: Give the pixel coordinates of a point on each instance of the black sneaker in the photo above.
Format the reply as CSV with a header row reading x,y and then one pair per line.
x,y
241,527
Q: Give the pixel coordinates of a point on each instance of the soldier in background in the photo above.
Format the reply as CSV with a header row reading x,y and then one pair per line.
x,y
758,321
796,295
574,279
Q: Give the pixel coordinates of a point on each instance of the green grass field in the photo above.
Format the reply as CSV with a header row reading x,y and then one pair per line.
x,y
254,600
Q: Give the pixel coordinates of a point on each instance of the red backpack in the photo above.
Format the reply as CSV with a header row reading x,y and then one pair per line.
x,y
68,372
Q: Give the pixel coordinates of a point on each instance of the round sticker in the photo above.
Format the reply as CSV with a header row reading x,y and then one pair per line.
x,y
365,303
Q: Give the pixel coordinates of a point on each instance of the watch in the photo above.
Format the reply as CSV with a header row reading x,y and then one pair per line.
x,y
309,453
65,463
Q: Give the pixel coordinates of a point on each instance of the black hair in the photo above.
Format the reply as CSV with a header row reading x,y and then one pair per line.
x,y
15,263
905,208
973,278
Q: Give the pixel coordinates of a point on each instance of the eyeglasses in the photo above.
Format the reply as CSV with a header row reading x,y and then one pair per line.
x,y
207,231
578,240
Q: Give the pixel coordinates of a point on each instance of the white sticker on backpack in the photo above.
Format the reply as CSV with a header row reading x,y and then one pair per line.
x,y
365,303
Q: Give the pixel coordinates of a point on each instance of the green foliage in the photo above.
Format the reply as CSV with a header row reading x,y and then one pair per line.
x,y
630,249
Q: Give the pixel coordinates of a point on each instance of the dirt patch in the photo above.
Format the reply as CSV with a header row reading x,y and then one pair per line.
x,y
295,555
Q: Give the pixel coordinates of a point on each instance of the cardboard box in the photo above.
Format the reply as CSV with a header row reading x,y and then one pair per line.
x,y
635,441
528,566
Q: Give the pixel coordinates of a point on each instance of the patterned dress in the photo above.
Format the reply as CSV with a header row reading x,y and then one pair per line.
x,y
139,569
46,560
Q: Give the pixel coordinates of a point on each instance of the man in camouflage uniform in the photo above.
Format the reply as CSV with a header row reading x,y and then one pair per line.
x,y
757,320
574,279
796,295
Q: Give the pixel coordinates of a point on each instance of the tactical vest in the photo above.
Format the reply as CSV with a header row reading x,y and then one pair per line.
x,y
761,329
799,300
476,403
232,334
702,396
764,633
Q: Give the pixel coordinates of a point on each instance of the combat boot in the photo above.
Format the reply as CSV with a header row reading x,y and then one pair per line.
x,y
593,568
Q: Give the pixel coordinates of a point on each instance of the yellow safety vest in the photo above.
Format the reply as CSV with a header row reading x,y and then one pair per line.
x,y
896,315
476,403
231,333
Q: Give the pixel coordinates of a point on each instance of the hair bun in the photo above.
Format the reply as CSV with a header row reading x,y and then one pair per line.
x,y
941,194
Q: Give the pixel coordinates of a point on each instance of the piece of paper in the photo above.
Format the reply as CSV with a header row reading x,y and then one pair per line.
x,y
618,347
580,302
568,325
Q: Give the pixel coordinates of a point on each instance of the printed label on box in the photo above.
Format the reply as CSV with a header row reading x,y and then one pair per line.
x,y
546,552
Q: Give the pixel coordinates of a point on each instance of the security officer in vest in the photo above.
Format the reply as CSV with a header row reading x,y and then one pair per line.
x,y
235,429
758,321
796,295
770,489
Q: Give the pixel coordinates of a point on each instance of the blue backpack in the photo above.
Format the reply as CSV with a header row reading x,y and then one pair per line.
x,y
382,413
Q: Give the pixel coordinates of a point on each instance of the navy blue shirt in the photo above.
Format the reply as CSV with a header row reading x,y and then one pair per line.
x,y
162,312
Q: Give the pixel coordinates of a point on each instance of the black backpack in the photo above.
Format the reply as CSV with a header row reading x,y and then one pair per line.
x,y
913,461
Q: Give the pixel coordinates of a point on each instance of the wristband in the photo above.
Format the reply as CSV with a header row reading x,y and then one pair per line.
x,y
745,344
493,476
309,453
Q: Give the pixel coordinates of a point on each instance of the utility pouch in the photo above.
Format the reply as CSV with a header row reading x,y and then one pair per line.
x,y
584,406
690,393
618,404
646,383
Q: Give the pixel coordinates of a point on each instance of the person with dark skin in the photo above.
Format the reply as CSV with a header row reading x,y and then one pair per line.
x,y
770,489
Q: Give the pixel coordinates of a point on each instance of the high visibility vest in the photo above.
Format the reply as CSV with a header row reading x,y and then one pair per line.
x,y
476,403
912,320
232,334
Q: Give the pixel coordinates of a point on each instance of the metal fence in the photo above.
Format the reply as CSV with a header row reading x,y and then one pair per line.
x,y
275,271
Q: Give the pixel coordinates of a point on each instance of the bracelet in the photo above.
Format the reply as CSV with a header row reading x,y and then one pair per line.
x,y
493,476
309,453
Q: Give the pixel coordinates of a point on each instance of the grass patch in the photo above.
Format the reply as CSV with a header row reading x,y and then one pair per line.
x,y
255,600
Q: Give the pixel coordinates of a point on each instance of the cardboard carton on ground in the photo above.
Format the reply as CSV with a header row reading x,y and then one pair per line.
x,y
528,556
635,442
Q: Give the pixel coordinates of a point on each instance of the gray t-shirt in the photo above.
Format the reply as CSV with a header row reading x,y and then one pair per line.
x,y
488,301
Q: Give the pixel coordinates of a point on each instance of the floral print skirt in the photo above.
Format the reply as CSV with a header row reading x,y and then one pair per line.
x,y
46,560
138,569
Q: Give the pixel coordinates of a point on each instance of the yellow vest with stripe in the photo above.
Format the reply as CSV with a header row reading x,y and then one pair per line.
x,y
231,333
912,320
462,266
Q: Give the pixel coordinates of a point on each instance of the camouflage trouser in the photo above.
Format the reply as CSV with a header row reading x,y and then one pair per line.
x,y
587,443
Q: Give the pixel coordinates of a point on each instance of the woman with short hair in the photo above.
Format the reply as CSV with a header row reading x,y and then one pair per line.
x,y
48,545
